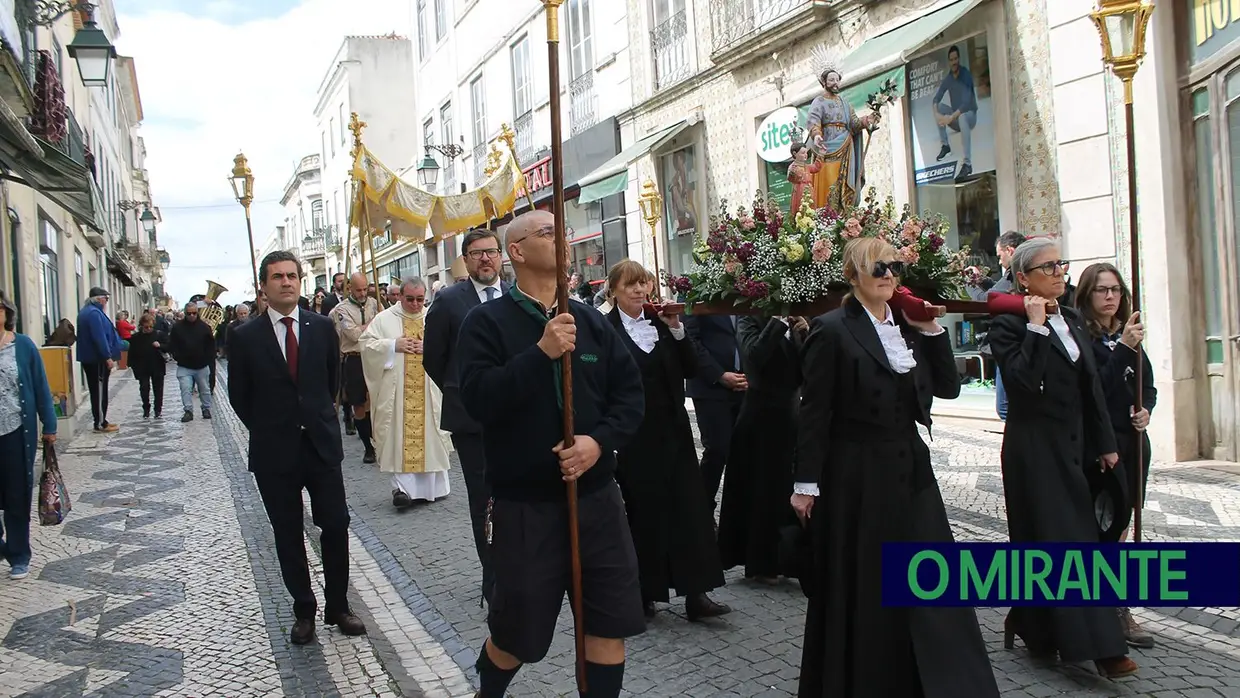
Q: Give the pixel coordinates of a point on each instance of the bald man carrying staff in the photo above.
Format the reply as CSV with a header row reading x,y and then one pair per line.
x,y
509,369
352,317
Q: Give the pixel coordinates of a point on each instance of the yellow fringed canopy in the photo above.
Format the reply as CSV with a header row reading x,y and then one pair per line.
x,y
420,216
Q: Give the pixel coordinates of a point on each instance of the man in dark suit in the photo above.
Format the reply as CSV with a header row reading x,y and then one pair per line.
x,y
336,294
481,250
282,380
717,392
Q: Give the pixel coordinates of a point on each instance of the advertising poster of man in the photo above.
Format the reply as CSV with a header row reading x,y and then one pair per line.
x,y
680,178
952,113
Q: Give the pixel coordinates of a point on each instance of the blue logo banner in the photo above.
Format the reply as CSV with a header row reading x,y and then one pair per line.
x,y
1061,574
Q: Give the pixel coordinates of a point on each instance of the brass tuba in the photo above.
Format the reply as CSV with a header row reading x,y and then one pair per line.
x,y
212,313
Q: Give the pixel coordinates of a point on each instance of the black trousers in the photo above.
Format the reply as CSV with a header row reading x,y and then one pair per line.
x,y
473,465
97,383
145,383
715,420
281,493
212,379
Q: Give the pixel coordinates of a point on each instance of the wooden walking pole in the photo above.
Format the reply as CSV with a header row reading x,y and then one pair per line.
x,y
561,299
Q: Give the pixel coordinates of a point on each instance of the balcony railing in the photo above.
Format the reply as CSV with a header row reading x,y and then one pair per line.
x,y
670,46
582,103
480,162
312,247
524,126
733,21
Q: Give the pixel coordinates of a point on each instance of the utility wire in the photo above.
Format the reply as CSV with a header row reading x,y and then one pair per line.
x,y
231,205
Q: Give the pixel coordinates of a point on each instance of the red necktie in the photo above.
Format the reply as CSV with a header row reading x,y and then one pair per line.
x,y
290,346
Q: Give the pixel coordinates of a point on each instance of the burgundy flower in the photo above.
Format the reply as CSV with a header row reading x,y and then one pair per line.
x,y
745,251
936,242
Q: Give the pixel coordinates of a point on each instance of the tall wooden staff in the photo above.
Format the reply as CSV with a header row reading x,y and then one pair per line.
x,y
561,296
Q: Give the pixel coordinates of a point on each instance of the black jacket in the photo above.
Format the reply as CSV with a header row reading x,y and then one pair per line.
x,y
192,344
714,337
145,358
1117,373
274,408
512,389
443,327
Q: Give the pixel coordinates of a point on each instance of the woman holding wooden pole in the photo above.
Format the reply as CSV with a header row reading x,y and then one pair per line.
x,y
547,445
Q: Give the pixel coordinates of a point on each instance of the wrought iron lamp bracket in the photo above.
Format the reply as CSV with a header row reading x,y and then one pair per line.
x,y
451,151
46,12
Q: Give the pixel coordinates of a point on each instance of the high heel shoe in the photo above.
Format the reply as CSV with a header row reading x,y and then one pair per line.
x,y
1010,633
1116,667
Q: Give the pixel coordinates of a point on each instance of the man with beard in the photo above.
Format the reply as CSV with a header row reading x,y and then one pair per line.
x,y
481,250
352,317
335,294
192,345
835,132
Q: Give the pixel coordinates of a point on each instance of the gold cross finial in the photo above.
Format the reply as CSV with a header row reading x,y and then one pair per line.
x,y
356,125
509,137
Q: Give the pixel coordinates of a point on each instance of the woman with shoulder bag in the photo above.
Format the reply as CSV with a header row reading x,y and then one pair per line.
x,y
148,359
25,401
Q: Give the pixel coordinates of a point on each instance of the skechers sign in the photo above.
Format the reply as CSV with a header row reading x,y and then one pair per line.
x,y
775,135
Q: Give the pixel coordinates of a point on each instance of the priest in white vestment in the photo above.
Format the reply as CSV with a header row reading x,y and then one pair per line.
x,y
404,401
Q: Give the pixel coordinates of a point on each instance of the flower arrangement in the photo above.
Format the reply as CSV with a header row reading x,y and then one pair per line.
x,y
760,257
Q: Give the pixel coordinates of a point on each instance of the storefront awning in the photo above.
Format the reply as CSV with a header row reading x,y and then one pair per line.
x,y
612,177
54,175
892,49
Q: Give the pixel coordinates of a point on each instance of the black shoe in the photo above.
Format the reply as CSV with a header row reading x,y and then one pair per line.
x,y
648,609
187,417
965,171
146,413
303,631
350,430
947,150
348,623
699,606
369,457
206,414
159,414
400,500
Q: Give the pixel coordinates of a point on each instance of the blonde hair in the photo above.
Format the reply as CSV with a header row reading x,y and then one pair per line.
x,y
626,272
860,256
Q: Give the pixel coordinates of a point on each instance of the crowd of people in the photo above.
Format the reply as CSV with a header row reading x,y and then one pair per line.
x,y
791,411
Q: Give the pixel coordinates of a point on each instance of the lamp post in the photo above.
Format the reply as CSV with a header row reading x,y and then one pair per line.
x,y
242,180
90,46
148,222
1121,25
652,210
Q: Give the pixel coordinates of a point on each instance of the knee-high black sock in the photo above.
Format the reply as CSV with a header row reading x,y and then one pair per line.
x,y
604,680
363,430
494,680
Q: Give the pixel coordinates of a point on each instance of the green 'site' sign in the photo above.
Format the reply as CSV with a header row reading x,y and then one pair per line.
x,y
1213,25
774,137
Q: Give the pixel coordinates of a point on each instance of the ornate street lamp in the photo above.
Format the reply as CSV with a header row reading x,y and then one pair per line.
x,y
1121,24
90,46
652,210
428,172
242,180
148,221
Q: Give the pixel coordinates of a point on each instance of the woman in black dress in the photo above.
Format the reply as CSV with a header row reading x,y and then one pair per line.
x,y
755,493
1104,301
869,379
1057,427
147,358
669,514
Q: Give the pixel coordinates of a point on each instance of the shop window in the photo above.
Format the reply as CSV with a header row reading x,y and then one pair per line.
x,y
681,217
1206,226
587,260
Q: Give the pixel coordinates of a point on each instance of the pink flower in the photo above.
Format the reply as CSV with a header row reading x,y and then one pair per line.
x,y
910,231
747,223
821,251
908,255
731,266
852,228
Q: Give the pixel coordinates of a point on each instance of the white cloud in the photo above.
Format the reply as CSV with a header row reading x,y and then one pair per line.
x,y
211,89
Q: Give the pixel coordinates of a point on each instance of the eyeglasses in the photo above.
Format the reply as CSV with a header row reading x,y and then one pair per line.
x,y
191,315
415,299
492,253
1053,268
1105,291
881,268
546,233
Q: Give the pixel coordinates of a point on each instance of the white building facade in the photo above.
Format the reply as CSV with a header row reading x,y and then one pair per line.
x,y
304,231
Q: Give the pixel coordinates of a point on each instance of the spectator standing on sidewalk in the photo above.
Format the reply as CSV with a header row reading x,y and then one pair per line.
x,y
192,345
97,347
147,358
124,328
25,400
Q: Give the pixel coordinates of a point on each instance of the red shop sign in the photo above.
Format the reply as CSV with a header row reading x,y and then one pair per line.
x,y
538,176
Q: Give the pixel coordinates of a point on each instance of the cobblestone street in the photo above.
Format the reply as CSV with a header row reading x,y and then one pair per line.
x,y
163,582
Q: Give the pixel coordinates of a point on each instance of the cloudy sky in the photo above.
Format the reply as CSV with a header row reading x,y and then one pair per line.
x,y
226,76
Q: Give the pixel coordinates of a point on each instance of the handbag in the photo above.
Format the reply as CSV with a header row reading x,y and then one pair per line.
x,y
54,502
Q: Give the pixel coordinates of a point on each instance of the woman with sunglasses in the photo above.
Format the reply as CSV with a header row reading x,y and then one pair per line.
x,y
1057,427
870,377
1105,302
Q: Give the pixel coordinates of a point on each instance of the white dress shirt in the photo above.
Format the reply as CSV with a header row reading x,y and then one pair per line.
x,y
277,321
899,355
481,290
1061,328
643,332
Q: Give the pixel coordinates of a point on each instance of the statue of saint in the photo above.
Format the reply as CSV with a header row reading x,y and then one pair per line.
x,y
835,134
